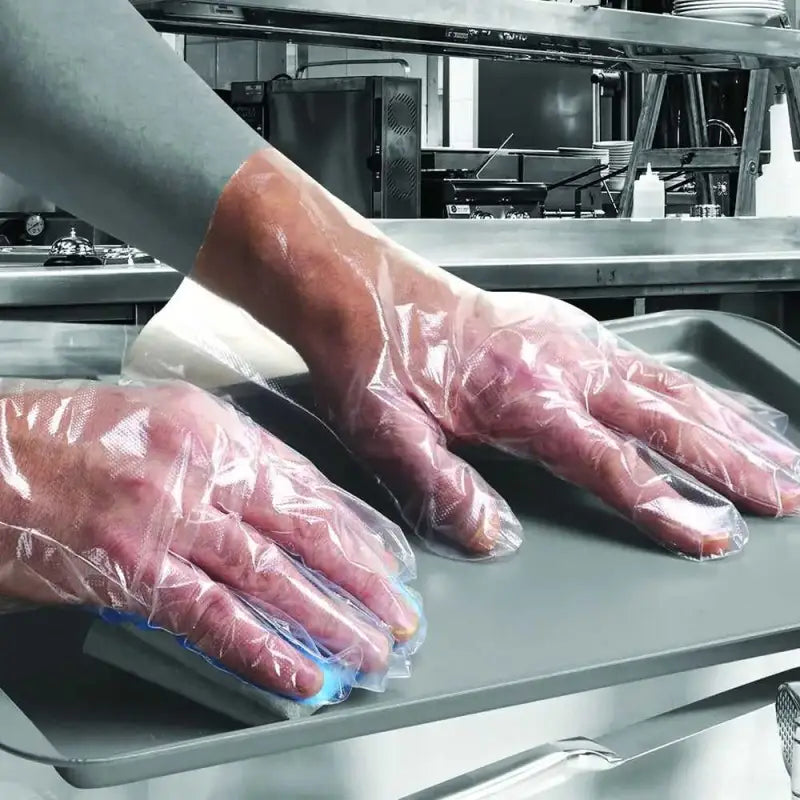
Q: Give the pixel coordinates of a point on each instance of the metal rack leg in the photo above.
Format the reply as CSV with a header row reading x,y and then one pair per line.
x,y
751,142
791,79
698,133
645,131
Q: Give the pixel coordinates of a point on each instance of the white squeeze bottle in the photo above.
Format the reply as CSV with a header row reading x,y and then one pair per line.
x,y
648,196
778,188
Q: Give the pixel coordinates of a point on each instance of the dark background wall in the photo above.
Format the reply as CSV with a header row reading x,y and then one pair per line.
x,y
545,105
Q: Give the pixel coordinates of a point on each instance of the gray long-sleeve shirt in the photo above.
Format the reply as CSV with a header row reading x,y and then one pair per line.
x,y
99,114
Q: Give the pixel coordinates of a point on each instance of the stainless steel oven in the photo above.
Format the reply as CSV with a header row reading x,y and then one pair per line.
x,y
359,137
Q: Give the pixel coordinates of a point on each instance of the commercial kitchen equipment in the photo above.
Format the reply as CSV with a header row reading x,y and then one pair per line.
x,y
585,259
741,160
527,29
359,137
536,772
548,168
532,30
456,194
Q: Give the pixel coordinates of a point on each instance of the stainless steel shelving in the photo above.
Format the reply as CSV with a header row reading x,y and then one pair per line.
x,y
532,30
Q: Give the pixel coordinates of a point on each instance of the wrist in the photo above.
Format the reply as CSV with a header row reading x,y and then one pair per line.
x,y
307,266
283,249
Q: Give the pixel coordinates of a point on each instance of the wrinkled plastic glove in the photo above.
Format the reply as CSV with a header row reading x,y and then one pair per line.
x,y
165,503
408,360
536,377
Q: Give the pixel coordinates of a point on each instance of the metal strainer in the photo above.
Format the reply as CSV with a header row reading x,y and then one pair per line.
x,y
787,711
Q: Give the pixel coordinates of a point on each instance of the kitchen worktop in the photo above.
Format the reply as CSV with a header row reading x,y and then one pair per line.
x,y
568,258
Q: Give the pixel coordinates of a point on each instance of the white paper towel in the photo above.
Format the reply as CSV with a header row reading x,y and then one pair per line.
x,y
209,342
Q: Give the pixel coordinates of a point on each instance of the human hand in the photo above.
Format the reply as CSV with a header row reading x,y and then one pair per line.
x,y
431,361
163,502
407,360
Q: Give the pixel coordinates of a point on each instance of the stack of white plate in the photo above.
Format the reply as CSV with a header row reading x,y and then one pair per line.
x,y
619,156
748,12
586,152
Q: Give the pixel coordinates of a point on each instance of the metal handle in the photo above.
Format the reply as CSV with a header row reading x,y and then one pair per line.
x,y
524,774
723,126
345,62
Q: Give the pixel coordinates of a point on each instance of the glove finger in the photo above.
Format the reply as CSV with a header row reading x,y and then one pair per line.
x,y
368,538
276,490
666,504
739,417
296,506
188,603
438,493
231,552
724,462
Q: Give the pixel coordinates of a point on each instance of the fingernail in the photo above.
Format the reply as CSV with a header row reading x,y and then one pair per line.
x,y
406,620
481,540
307,680
715,544
391,564
789,488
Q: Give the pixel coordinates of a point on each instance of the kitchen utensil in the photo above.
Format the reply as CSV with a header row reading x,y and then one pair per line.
x,y
649,196
787,713
131,731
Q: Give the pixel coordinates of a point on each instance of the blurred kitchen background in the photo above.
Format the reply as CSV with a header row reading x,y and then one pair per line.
x,y
452,138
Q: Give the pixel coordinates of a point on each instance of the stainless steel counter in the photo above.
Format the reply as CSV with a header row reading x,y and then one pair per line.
x,y
35,285
622,257
569,258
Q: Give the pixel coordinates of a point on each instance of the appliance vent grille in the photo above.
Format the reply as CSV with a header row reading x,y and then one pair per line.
x,y
401,178
401,114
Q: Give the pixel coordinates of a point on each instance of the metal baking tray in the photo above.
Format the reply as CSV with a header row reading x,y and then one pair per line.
x,y
587,602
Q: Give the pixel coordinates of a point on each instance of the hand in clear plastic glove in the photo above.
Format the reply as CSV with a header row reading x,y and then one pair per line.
x,y
165,503
408,360
536,377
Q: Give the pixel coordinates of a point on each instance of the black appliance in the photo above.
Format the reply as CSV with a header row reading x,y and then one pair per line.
x,y
457,194
359,137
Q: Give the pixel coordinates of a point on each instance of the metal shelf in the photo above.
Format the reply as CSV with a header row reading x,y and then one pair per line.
x,y
532,30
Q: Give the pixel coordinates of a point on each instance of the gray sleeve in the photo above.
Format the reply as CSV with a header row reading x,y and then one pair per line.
x,y
100,115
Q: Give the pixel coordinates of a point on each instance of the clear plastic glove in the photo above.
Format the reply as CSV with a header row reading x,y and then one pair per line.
x,y
536,377
407,360
165,503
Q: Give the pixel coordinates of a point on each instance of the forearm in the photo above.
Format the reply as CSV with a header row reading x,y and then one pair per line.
x,y
98,114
